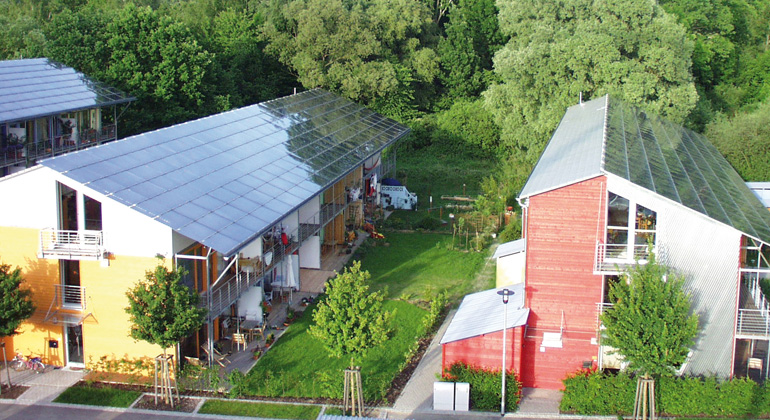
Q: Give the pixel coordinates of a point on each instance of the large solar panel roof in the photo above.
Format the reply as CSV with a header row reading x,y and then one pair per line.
x,y
653,153
223,180
38,87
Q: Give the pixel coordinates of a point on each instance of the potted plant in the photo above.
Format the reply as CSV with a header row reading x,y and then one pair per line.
x,y
265,307
290,315
257,353
269,340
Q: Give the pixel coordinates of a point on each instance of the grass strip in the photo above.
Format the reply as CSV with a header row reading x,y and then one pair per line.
x,y
105,397
252,409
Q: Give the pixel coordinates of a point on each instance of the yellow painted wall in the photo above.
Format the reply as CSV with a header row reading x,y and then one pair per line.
x,y
104,334
510,270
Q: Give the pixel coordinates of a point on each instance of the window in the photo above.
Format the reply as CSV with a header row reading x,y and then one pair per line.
x,y
93,213
629,233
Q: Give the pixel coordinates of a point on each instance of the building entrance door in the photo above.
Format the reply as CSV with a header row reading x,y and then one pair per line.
x,y
74,340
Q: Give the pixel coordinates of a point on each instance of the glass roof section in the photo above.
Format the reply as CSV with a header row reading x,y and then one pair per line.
x,y
681,165
38,87
225,179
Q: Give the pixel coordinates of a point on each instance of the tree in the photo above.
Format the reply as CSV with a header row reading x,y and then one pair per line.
x,y
745,141
163,311
350,320
630,49
15,303
472,38
650,323
365,50
159,61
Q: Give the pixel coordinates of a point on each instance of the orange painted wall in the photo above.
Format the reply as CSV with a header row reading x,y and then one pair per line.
x,y
104,334
486,351
561,242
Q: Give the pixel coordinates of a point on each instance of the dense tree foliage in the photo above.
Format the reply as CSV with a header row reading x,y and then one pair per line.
x,y
650,324
15,302
426,63
745,141
350,320
375,52
628,48
472,38
162,310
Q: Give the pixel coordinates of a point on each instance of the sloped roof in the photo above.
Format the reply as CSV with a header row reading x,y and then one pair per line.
x,y
38,87
653,153
508,248
483,312
223,180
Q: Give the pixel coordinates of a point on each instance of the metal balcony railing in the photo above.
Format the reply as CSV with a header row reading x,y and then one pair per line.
x,y
753,323
27,153
613,258
71,244
227,292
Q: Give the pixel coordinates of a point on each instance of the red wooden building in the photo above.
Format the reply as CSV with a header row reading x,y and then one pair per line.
x,y
612,180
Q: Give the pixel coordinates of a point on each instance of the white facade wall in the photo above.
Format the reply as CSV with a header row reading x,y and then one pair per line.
x,y
126,232
706,253
29,199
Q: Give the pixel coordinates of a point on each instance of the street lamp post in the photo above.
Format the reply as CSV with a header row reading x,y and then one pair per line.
x,y
505,293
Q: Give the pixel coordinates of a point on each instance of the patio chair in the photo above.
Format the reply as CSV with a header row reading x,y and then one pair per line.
x,y
218,357
239,339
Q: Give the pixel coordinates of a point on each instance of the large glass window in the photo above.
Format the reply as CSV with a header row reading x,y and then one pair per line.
x,y
68,208
93,213
630,228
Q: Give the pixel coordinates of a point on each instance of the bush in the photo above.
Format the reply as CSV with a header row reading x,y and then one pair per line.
x,y
593,392
511,231
429,223
485,386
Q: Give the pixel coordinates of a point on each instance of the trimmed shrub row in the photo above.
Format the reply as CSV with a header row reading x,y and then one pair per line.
x,y
595,392
485,386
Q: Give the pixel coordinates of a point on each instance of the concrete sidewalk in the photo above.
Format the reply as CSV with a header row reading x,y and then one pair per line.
x,y
43,387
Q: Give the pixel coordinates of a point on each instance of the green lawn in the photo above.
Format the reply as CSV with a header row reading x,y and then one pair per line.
x,y
414,266
426,174
106,397
298,366
419,265
267,410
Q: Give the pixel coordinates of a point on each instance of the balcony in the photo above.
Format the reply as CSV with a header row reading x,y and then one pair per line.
x,y
613,259
753,323
71,244
23,153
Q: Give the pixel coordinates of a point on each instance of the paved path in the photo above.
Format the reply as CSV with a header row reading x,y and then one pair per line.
x,y
43,387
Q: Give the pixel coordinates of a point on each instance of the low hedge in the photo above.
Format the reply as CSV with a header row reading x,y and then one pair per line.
x,y
485,386
594,392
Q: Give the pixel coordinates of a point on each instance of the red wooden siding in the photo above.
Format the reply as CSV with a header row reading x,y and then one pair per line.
x,y
561,242
486,351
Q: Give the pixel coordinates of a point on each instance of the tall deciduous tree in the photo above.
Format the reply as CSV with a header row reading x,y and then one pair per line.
x,y
650,323
351,319
628,48
365,50
15,303
472,37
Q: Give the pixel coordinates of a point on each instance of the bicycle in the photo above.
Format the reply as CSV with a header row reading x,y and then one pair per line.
x,y
20,363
